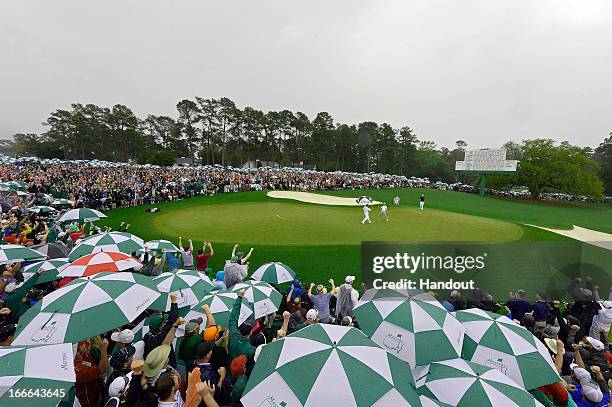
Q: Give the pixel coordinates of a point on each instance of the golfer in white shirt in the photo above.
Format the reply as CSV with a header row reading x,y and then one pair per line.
x,y
366,214
383,212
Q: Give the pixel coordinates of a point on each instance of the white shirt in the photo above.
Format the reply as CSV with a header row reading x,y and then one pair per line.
x,y
383,209
366,210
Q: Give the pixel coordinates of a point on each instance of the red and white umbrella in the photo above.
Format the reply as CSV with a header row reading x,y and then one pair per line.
x,y
99,262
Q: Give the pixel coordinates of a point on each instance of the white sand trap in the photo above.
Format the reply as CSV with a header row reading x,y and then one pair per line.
x,y
589,236
316,198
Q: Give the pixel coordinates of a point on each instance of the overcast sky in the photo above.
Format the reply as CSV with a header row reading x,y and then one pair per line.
x,y
482,71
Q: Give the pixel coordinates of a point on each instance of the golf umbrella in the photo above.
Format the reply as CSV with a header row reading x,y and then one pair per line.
x,y
52,250
99,262
35,376
51,270
496,341
461,383
159,245
220,304
363,200
62,202
81,214
274,273
14,253
412,325
262,298
41,209
327,365
190,286
86,307
121,242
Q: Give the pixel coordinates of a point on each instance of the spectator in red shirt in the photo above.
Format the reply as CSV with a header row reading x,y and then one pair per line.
x,y
202,257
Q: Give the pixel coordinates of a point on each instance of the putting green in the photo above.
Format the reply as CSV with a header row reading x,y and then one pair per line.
x,y
309,224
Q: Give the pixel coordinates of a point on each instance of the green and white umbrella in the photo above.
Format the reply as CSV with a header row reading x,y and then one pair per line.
x,y
41,209
461,383
328,365
51,270
274,273
159,245
429,402
121,242
35,376
62,202
14,253
412,325
220,304
190,287
496,341
86,307
263,299
81,214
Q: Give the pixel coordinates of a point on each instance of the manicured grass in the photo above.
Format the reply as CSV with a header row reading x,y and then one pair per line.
x,y
320,241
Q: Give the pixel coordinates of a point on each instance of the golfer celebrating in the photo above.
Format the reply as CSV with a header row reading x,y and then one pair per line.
x,y
396,200
366,214
422,201
383,212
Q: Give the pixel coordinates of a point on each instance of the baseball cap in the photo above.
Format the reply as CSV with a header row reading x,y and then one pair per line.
x,y
597,345
202,349
607,304
312,314
125,336
156,321
592,392
6,331
123,355
210,333
581,374
193,324
349,279
238,365
155,361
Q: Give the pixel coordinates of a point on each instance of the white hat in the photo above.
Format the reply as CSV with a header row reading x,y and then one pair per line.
x,y
312,314
349,279
125,336
581,374
551,344
607,304
592,392
597,345
118,386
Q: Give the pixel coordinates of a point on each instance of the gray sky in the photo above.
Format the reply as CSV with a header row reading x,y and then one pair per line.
x,y
483,71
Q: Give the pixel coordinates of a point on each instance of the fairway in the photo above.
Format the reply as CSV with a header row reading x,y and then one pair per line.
x,y
323,241
310,224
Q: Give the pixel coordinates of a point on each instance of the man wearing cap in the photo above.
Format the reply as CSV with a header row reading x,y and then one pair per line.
x,y
122,339
7,332
203,354
119,379
239,343
320,301
311,319
238,368
347,298
190,340
589,392
592,353
159,327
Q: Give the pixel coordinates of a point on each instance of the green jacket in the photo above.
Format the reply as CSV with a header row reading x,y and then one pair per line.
x,y
238,344
14,300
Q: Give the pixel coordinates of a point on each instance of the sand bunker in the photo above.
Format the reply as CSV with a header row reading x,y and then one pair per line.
x,y
316,198
593,237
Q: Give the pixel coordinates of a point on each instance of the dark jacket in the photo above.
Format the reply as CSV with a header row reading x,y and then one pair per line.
x,y
153,339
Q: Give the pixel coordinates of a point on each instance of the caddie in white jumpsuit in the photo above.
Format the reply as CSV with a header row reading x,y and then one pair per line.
x,y
366,214
383,212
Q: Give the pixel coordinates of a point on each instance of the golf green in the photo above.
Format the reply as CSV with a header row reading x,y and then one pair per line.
x,y
321,242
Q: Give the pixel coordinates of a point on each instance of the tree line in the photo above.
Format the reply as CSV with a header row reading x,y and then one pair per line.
x,y
216,131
